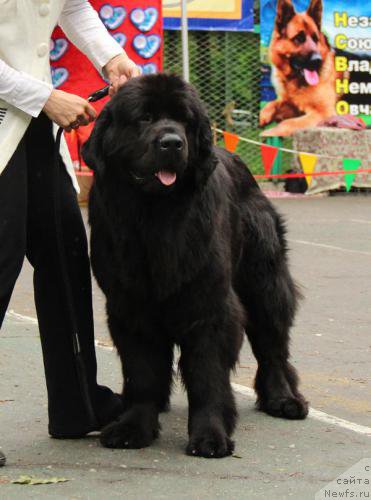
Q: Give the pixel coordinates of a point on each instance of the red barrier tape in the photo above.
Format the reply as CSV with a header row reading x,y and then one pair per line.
x,y
79,173
313,174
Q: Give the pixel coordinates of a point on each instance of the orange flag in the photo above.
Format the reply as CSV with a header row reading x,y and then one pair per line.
x,y
308,163
231,141
269,154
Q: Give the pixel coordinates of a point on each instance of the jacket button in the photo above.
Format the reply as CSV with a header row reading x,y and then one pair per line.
x,y
42,49
44,9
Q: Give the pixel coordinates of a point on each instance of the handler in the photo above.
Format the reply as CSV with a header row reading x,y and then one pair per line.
x,y
28,106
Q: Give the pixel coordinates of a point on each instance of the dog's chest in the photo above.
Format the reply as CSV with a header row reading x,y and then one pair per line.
x,y
157,262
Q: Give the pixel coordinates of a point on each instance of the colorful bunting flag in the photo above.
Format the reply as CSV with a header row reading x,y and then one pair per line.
x,y
269,154
231,141
350,164
308,163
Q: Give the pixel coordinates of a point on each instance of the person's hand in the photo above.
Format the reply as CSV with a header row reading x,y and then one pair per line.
x,y
119,70
69,111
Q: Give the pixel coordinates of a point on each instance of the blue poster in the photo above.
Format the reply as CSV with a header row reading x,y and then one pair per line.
x,y
209,15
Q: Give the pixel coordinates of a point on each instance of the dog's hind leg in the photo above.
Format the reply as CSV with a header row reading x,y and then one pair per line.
x,y
147,368
266,289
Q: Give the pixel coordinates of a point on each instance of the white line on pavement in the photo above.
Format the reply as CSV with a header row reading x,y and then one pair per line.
x,y
321,416
361,221
21,317
99,344
329,247
316,414
340,422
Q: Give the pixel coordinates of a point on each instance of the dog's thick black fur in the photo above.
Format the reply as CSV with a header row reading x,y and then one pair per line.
x,y
188,252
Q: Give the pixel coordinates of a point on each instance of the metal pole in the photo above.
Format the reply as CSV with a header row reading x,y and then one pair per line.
x,y
185,50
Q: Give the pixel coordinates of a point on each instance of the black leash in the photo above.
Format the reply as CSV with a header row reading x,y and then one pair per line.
x,y
80,366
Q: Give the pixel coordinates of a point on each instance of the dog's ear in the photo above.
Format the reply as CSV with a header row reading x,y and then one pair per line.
x,y
204,136
315,11
206,161
92,150
285,12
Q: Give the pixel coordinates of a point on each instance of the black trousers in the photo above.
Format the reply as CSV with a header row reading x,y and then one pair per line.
x,y
27,228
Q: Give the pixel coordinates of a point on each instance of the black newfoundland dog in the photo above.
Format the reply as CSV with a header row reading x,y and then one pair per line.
x,y
188,252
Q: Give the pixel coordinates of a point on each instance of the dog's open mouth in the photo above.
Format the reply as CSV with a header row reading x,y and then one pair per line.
x,y
166,177
308,67
311,76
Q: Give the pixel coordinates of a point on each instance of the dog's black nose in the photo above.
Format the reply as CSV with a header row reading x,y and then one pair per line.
x,y
315,61
170,142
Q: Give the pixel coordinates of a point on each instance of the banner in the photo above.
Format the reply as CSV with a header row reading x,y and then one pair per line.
x,y
222,15
316,64
269,154
308,163
351,164
231,141
137,27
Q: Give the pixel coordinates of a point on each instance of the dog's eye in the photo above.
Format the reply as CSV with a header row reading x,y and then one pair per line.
x,y
146,118
315,38
299,38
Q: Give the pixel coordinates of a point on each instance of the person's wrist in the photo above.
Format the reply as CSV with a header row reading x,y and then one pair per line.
x,y
49,100
113,61
48,91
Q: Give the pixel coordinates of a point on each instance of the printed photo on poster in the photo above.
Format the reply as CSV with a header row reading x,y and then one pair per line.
x,y
316,65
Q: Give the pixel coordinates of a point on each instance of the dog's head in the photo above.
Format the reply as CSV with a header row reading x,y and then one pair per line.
x,y
154,134
299,48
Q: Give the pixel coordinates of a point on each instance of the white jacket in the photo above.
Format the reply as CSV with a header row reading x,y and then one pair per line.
x,y
25,81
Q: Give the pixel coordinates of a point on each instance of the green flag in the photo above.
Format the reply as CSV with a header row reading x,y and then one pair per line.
x,y
350,164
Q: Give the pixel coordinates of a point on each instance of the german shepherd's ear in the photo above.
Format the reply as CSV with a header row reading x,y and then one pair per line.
x,y
285,12
315,10
92,150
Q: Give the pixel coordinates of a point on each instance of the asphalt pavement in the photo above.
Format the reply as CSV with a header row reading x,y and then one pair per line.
x,y
330,243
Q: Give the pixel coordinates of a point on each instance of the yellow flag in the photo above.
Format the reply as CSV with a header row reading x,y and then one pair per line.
x,y
308,163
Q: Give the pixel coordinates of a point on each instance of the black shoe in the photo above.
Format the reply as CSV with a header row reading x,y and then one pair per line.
x,y
2,459
107,407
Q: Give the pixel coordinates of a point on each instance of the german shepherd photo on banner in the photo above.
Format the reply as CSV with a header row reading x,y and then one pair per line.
x,y
303,71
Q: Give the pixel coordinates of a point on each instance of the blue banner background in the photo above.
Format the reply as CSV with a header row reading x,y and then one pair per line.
x,y
352,7
246,23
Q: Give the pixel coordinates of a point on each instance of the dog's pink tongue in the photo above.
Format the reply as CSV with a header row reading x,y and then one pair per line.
x,y
311,77
167,178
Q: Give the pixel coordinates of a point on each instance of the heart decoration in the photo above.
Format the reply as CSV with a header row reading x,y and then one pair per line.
x,y
58,47
146,45
59,76
112,17
148,69
120,38
144,19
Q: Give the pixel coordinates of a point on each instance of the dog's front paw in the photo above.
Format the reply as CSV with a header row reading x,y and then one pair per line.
x,y
274,132
292,408
131,430
212,443
267,114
